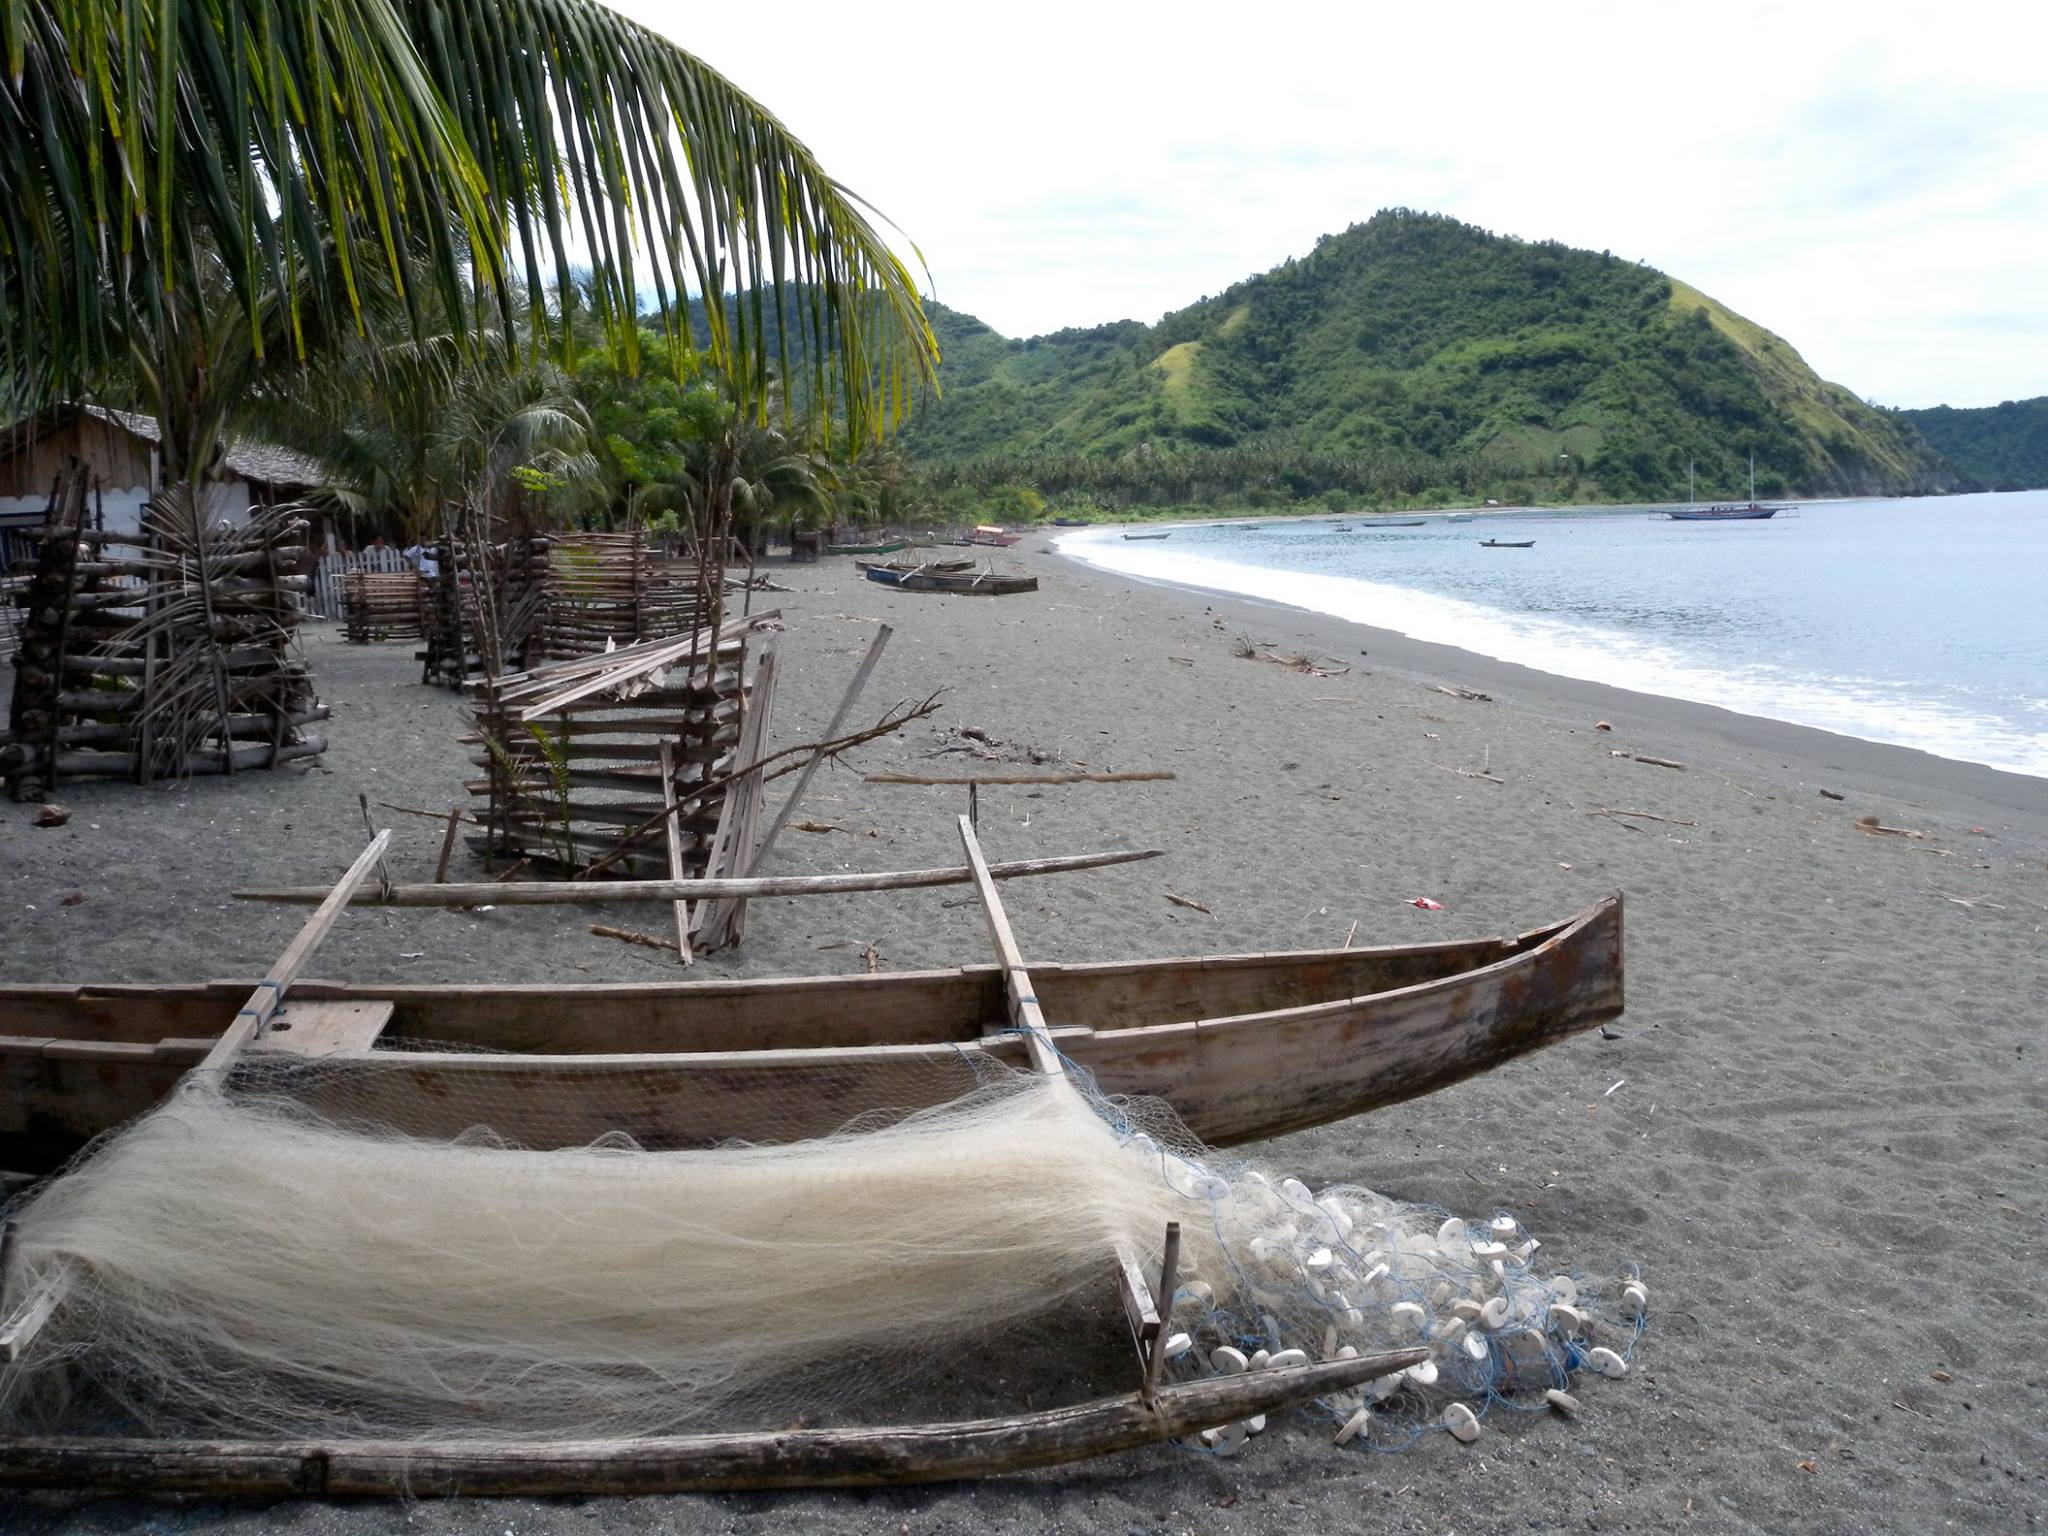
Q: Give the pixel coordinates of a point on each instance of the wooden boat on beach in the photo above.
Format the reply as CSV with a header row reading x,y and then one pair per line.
x,y
1166,535
1507,543
915,565
959,583
1243,1047
885,547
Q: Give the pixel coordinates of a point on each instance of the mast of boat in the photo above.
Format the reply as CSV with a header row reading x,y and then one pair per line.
x,y
1752,479
1688,483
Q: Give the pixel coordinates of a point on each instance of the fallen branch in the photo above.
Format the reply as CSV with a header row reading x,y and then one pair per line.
x,y
1188,902
1472,773
628,936
976,781
1644,757
1458,692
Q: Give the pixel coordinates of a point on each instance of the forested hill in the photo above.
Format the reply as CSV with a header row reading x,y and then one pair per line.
x,y
1414,336
1995,447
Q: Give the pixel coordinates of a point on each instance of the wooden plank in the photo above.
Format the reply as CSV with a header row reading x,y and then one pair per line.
x,y
1140,1310
718,922
322,1028
787,1458
672,836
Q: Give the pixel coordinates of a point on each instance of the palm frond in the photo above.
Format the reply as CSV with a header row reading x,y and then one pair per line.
x,y
472,157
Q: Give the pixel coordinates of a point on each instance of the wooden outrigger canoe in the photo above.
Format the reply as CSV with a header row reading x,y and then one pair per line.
x,y
1242,1046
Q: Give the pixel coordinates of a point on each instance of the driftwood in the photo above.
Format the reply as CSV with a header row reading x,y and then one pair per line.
x,y
1457,691
1644,757
796,1458
629,936
975,781
565,892
1641,815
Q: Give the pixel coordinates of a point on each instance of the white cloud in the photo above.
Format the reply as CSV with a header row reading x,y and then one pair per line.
x,y
1870,181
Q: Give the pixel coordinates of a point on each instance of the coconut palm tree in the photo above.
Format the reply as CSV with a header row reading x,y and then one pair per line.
x,y
181,169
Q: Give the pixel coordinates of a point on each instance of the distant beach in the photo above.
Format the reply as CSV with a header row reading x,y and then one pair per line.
x,y
1820,1129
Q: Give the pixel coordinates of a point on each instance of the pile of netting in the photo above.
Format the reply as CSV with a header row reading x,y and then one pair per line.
x,y
266,1258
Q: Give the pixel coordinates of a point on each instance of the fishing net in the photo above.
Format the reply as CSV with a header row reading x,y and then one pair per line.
x,y
368,1249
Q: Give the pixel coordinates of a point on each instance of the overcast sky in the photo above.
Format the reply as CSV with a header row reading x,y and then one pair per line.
x,y
1869,180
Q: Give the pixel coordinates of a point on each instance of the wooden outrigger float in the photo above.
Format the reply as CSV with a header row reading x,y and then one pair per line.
x,y
791,1458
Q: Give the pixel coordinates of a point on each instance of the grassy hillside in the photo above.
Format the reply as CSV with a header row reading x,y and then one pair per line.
x,y
1537,370
1995,448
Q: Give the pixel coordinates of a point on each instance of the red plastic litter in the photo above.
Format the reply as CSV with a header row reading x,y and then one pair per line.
x,y
1426,904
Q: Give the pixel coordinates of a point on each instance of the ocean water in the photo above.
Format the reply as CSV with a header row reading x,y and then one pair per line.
x,y
1922,623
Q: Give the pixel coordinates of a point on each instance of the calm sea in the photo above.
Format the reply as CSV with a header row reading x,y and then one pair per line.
x,y
1922,623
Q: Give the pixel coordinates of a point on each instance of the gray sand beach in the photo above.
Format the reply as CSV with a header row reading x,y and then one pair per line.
x,y
1822,1131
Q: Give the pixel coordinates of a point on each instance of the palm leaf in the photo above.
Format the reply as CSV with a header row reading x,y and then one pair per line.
x,y
469,154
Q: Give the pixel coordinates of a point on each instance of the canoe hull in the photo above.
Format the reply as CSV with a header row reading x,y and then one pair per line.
x,y
1242,1047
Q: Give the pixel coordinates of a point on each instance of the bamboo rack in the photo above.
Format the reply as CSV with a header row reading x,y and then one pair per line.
x,y
161,654
381,605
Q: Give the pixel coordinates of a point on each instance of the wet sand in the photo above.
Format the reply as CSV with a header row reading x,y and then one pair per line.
x,y
1826,1150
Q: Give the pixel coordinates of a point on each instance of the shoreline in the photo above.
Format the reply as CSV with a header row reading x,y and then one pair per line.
x,y
1885,766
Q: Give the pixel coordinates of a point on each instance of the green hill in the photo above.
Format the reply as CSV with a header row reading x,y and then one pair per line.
x,y
1415,340
1995,447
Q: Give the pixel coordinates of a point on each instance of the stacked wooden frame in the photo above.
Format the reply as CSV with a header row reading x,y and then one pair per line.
x,y
158,654
631,762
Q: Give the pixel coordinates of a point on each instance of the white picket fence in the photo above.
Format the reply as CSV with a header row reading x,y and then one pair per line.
x,y
325,598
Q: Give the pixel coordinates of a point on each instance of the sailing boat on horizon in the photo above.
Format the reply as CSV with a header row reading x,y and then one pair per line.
x,y
1693,513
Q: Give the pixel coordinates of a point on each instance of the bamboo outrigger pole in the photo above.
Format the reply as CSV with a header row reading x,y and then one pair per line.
x,y
565,892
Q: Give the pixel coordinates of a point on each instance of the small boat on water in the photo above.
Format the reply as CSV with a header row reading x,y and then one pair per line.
x,y
885,547
1507,543
1243,1047
1458,517
1392,522
961,583
1751,512
1167,535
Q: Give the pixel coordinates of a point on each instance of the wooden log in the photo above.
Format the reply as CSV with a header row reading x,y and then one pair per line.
x,y
563,892
790,1458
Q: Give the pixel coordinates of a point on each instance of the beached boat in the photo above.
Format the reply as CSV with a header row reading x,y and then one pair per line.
x,y
1243,1047
914,565
1507,543
961,583
887,547
986,534
1166,535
